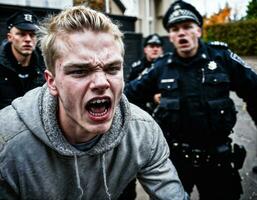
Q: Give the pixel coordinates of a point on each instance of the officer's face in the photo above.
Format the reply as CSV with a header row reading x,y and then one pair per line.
x,y
152,51
23,42
185,37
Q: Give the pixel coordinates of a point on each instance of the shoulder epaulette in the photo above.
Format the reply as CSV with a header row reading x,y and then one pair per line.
x,y
218,44
136,64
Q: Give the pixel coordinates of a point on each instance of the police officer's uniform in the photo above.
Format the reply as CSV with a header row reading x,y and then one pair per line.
x,y
16,80
142,66
196,112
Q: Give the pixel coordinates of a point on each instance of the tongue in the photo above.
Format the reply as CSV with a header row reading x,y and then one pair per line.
x,y
98,109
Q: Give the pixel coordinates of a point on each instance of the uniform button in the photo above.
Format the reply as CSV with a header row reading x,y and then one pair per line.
x,y
215,80
168,87
5,78
175,144
203,55
222,112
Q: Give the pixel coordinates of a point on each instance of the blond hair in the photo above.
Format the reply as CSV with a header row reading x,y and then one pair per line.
x,y
70,20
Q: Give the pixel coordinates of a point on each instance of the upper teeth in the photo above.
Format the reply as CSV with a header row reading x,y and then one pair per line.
x,y
99,101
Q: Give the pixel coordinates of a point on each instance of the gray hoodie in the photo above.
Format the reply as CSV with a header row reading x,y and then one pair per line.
x,y
37,162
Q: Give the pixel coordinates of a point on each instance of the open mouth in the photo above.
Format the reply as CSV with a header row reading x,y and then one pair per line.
x,y
183,41
98,107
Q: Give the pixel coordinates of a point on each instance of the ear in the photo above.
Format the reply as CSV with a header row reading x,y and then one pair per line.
x,y
145,50
9,37
50,79
199,32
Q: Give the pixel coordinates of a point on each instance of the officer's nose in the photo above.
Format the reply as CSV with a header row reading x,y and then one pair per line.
x,y
28,36
181,31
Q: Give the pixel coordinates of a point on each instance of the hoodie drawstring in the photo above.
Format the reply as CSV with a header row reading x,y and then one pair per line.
x,y
78,177
104,176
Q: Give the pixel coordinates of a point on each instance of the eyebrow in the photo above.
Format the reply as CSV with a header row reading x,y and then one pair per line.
x,y
69,65
88,66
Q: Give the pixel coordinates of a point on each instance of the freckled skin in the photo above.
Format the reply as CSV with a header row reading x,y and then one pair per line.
x,y
86,70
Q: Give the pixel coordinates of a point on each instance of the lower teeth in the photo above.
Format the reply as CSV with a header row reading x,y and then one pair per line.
x,y
98,114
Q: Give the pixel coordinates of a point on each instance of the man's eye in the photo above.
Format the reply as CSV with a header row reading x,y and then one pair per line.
x,y
32,35
188,27
113,70
174,29
78,72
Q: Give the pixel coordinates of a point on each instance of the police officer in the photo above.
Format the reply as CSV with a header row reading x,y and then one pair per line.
x,y
195,111
21,63
153,48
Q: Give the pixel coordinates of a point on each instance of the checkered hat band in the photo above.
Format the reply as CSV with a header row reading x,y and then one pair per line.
x,y
182,14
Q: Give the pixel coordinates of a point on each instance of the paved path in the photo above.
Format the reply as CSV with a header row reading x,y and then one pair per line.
x,y
245,133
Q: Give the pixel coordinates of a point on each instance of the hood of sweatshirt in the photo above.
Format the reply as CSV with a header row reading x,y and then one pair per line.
x,y
37,111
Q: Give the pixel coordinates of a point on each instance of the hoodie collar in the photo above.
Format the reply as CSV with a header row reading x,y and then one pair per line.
x,y
55,136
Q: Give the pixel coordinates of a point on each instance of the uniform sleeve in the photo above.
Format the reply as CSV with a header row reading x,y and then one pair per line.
x,y
244,83
159,176
143,89
135,69
133,74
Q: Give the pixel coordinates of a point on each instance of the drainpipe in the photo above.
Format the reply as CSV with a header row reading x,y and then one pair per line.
x,y
107,6
147,17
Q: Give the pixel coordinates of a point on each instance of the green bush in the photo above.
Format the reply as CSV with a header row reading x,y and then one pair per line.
x,y
241,36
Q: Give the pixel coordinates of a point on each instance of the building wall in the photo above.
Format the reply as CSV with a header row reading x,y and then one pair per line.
x,y
149,15
114,9
132,40
57,4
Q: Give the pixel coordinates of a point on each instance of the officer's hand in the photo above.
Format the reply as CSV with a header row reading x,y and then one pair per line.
x,y
157,98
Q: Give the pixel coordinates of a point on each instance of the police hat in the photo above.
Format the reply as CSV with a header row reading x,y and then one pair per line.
x,y
181,11
24,20
153,39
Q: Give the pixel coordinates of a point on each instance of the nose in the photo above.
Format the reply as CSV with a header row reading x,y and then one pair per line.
x,y
99,82
181,31
27,37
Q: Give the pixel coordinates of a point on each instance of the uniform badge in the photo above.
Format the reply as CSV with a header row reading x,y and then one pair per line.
x,y
212,65
154,39
28,17
176,7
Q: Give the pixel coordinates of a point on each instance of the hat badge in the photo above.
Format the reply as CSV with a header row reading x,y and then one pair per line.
x,y
154,39
177,6
28,17
212,65
176,13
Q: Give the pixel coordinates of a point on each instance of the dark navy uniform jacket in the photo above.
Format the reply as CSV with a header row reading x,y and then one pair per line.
x,y
195,93
138,69
11,84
